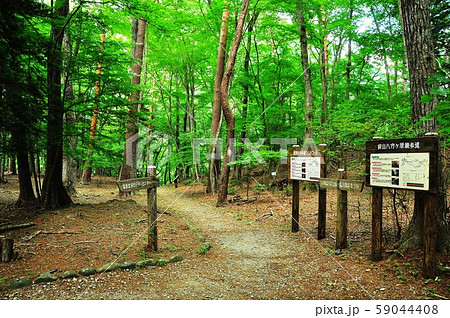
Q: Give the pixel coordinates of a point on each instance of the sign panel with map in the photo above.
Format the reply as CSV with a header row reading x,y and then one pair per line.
x,y
402,163
305,168
305,164
400,170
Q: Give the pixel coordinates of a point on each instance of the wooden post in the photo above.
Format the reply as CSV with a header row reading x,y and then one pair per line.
x,y
341,217
430,235
322,216
377,225
295,205
6,249
152,213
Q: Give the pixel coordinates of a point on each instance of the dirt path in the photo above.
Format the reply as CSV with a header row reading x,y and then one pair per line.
x,y
248,260
256,262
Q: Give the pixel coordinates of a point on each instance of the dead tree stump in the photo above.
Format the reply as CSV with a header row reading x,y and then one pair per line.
x,y
6,249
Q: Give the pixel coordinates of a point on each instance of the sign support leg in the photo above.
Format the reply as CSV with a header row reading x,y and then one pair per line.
x,y
152,219
341,217
322,215
322,224
377,226
152,210
295,205
430,235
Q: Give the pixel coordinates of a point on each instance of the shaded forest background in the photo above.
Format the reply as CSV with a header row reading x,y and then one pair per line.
x,y
77,78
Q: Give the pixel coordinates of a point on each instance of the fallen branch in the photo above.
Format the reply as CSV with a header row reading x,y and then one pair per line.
x,y
264,215
60,232
31,236
84,242
394,252
441,297
246,201
15,226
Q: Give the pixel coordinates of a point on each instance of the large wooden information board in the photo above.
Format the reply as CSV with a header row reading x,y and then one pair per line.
x,y
402,163
410,164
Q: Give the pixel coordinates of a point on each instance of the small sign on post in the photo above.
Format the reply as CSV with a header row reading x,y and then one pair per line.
x,y
342,185
150,183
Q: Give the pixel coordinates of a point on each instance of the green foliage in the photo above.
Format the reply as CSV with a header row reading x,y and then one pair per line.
x,y
177,82
442,92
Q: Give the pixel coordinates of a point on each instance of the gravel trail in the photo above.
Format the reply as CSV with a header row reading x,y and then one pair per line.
x,y
248,260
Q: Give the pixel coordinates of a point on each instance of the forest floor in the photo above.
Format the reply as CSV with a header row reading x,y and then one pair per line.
x,y
253,256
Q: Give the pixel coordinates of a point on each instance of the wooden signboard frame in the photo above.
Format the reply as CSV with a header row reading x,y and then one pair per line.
x,y
410,146
312,152
424,168
150,184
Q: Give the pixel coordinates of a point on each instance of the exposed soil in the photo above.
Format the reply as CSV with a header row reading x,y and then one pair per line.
x,y
254,254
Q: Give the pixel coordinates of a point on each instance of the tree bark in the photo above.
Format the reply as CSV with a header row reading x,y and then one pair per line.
x,y
2,169
309,107
54,193
26,194
70,165
214,163
87,174
383,49
349,61
324,68
419,49
227,112
129,168
6,249
12,165
246,93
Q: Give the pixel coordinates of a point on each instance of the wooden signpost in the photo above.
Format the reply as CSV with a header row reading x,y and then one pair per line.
x,y
342,185
149,183
307,164
342,214
410,164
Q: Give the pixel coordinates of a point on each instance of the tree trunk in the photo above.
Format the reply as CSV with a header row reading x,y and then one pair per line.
x,y
309,107
70,165
214,162
54,193
227,112
395,76
26,194
129,169
246,93
349,61
324,69
2,169
33,171
383,48
87,174
419,49
12,165
6,249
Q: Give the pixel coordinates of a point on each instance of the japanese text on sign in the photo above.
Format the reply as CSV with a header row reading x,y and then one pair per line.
x,y
399,145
